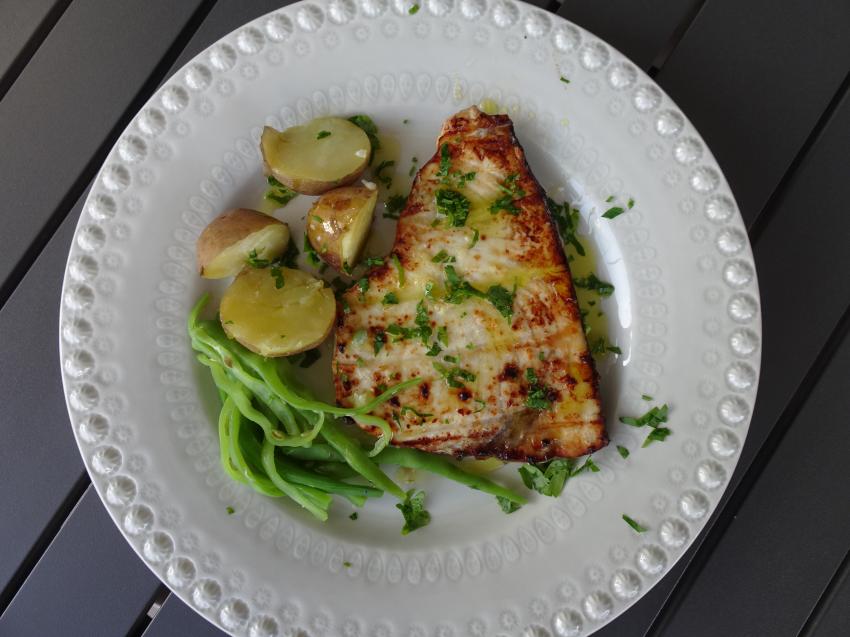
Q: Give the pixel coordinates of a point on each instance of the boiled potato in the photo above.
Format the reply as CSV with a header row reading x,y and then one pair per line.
x,y
320,155
277,321
338,224
231,238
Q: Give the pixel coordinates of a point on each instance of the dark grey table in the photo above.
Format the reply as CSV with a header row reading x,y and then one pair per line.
x,y
766,83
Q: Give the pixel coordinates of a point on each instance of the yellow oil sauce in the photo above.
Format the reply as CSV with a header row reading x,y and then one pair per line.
x,y
596,324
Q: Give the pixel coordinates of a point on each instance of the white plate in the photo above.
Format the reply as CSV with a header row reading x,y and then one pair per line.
x,y
685,313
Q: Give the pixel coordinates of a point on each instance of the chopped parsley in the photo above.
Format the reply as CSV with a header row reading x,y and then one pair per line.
x,y
365,123
289,258
592,282
393,206
230,510
609,199
277,275
423,322
453,205
399,268
601,346
566,220
613,212
541,356
652,418
323,133
429,290
353,516
658,434
645,397
312,256
373,261
507,201
443,335
309,357
434,350
390,298
451,359
564,80
443,257
363,286
452,374
624,453
506,505
279,193
380,177
255,261
379,341
474,239
631,203
548,478
413,510
634,524
450,177
458,290
413,10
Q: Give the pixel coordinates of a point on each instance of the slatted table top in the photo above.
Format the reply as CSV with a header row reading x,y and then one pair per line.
x,y
766,84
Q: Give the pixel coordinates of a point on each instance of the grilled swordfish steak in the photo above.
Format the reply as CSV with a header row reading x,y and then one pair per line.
x,y
477,301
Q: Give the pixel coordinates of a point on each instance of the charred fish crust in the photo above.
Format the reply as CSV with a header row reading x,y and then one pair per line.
x,y
472,362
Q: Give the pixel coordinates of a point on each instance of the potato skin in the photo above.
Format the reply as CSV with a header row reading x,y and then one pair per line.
x,y
338,220
278,151
224,232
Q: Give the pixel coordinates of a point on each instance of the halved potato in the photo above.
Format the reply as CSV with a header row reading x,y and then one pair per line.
x,y
322,154
277,321
338,224
231,238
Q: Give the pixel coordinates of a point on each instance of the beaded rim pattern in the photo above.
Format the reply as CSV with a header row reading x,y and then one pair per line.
x,y
104,411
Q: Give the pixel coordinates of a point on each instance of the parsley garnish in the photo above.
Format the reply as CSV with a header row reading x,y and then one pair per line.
x,y
413,510
624,453
230,510
368,126
423,322
454,205
613,212
630,204
384,179
399,268
652,418
658,434
645,397
413,10
312,256
435,349
566,219
443,257
353,516
592,282
373,261
635,525
389,299
309,357
429,288
458,290
279,193
393,206
539,395
601,346
443,335
412,171
609,199
507,201
448,176
277,275
452,374
548,478
564,80
474,239
378,343
507,505
323,133
451,359
363,286
255,261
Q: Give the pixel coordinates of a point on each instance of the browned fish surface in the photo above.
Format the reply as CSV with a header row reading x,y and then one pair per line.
x,y
482,309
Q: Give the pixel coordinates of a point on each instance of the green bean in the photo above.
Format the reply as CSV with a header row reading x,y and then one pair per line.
x,y
224,445
241,398
354,455
415,459
299,475
293,491
259,483
316,451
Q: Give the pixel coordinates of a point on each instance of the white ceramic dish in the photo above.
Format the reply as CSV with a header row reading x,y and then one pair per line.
x,y
685,313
